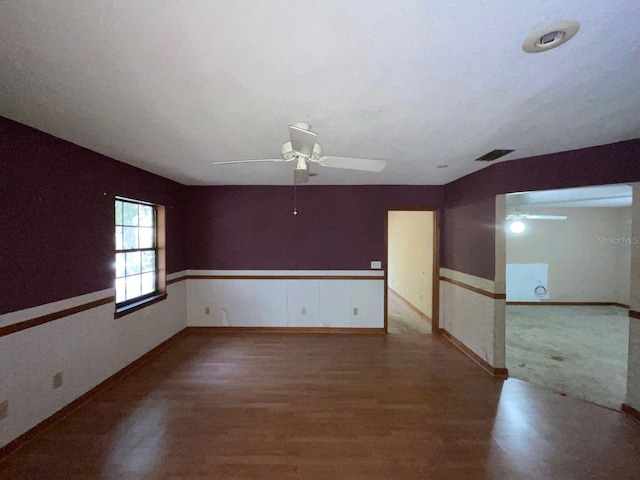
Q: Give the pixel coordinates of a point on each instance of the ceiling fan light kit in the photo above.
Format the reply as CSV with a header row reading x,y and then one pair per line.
x,y
303,148
517,226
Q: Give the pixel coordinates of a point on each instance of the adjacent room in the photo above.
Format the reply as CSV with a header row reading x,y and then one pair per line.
x,y
411,266
266,240
568,274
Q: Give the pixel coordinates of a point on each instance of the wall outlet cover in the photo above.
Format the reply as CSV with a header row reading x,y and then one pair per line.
x,y
376,264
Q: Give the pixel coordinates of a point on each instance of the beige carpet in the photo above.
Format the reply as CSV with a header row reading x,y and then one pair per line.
x,y
401,319
580,351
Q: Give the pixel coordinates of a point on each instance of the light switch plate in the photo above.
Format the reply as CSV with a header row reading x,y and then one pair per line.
x,y
376,264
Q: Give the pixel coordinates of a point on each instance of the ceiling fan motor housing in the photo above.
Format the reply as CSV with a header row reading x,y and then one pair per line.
x,y
288,153
301,173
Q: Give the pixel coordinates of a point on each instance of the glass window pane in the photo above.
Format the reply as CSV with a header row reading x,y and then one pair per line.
x,y
118,212
121,292
130,213
119,264
145,237
118,238
146,215
148,261
133,286
130,238
132,263
148,282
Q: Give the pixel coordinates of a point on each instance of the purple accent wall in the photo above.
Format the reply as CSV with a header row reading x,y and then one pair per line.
x,y
469,218
253,227
56,199
57,203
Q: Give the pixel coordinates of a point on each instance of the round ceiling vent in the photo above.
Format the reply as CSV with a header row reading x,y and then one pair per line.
x,y
551,37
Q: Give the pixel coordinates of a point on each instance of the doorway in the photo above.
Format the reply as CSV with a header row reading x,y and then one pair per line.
x,y
412,265
567,290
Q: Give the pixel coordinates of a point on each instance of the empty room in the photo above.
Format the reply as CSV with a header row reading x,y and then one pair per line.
x,y
568,257
208,265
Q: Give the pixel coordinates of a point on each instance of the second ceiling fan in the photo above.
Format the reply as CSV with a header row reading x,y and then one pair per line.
x,y
304,150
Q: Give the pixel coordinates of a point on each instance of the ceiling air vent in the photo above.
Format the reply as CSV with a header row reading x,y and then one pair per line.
x,y
493,155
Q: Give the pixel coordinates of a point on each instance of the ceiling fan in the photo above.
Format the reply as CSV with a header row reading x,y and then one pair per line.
x,y
304,150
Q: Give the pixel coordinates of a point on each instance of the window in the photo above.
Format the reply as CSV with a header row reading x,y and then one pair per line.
x,y
137,252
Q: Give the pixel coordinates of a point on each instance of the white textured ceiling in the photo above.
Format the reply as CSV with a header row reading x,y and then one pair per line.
x,y
170,85
615,196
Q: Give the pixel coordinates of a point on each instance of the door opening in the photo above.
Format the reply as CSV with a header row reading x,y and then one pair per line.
x,y
568,257
412,266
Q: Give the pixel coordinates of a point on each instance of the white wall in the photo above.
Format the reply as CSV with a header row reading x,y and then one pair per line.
x,y
279,302
87,348
476,320
586,262
410,243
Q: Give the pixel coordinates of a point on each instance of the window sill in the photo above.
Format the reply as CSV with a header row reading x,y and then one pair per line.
x,y
134,307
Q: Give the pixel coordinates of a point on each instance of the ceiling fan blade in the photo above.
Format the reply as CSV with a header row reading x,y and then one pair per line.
x,y
353,163
545,217
526,216
248,161
302,141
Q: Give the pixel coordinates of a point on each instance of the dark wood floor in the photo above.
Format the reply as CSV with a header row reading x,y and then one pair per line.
x,y
277,406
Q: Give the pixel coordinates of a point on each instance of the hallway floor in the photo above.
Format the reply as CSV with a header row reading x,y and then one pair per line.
x,y
401,319
578,350
304,406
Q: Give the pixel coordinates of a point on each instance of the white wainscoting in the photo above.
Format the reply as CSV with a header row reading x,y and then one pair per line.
x,y
475,319
87,347
279,302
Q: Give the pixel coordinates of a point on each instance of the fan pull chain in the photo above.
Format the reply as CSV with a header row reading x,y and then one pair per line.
x,y
295,199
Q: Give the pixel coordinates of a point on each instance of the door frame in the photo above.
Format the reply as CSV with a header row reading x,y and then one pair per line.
x,y
435,287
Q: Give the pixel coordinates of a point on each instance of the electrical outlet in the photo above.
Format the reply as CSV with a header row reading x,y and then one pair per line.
x,y
4,409
57,380
304,311
355,310
207,310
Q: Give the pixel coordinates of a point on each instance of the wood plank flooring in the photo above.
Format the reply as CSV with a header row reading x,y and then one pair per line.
x,y
295,406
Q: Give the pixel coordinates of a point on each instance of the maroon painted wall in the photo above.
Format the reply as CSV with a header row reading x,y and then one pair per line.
x,y
57,203
253,227
469,218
